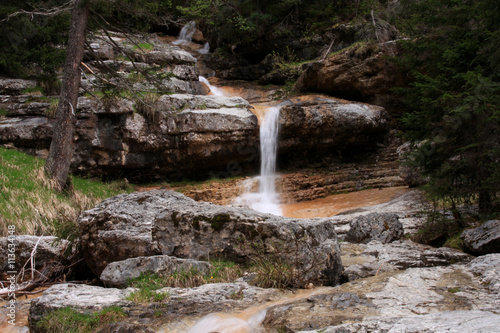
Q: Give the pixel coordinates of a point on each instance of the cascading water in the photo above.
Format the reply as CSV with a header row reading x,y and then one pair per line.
x,y
267,199
186,34
205,49
213,89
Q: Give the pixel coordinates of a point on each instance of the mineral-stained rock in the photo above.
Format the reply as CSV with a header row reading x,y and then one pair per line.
x,y
154,222
49,256
360,260
118,273
483,239
318,125
385,228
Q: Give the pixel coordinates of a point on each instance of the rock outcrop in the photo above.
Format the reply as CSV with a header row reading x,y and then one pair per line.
x,y
359,72
319,125
174,136
168,223
483,239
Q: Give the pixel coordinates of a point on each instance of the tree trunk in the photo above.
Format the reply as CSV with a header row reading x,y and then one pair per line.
x,y
61,147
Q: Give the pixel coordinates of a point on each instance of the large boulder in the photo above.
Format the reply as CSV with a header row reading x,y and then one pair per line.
x,y
384,227
169,223
483,239
319,125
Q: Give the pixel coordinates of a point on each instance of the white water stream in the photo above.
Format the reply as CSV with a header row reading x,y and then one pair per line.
x,y
186,34
213,89
267,200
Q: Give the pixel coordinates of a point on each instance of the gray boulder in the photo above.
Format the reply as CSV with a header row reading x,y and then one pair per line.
x,y
483,239
118,273
168,223
384,227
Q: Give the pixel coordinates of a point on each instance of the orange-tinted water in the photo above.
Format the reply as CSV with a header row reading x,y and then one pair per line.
x,y
338,203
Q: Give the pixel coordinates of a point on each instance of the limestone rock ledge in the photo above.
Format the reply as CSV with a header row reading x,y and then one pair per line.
x,y
169,223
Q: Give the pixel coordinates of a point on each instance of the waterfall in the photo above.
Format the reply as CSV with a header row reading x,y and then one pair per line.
x,y
213,89
205,49
186,33
267,199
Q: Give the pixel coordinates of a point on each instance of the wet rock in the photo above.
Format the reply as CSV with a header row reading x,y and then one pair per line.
x,y
154,222
483,239
49,257
396,298
446,321
118,273
318,125
384,227
15,86
363,260
408,207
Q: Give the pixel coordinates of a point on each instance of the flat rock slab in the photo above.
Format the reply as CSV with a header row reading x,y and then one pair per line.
x,y
118,273
363,260
394,297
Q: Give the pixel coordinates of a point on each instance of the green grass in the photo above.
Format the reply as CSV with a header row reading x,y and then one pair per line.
x,y
148,284
28,201
69,320
144,47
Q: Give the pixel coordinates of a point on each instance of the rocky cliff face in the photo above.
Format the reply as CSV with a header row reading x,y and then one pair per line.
x,y
361,72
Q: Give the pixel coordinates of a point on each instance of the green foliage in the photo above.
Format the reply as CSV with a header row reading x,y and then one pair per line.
x,y
69,320
455,98
28,44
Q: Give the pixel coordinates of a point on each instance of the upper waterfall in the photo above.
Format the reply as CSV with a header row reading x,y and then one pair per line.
x,y
186,34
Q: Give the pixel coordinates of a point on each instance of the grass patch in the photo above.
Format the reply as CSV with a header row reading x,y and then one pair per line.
x,y
143,47
69,320
34,91
28,201
148,284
